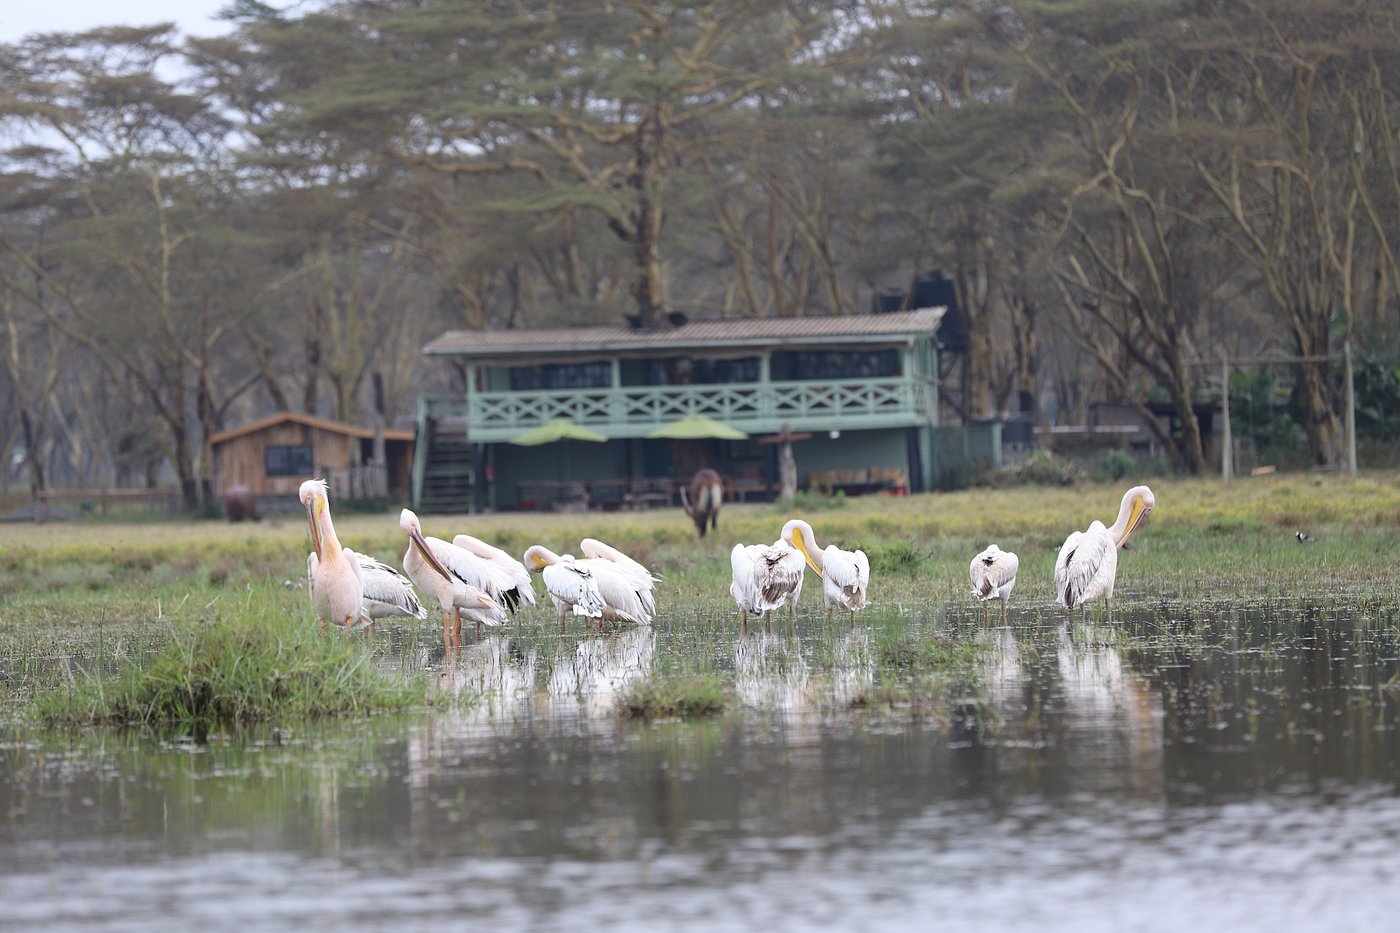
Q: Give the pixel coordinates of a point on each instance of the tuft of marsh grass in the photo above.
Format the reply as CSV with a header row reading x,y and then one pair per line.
x,y
685,696
240,669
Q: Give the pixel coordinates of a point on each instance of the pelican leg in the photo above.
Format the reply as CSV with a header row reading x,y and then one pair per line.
x,y
986,614
323,625
1003,613
456,628
349,625
767,625
744,621
446,631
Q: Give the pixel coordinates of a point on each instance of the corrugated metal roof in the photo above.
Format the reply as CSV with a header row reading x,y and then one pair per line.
x,y
733,332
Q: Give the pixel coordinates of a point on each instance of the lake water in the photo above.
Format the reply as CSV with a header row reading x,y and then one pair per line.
x,y
1169,773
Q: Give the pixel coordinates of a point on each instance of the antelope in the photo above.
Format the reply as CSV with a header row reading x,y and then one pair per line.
x,y
707,494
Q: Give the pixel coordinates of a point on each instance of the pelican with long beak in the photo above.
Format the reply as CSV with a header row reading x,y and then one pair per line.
x,y
459,581
337,585
845,574
1088,561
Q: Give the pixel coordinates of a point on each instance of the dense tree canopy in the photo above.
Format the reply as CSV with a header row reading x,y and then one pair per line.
x,y
198,231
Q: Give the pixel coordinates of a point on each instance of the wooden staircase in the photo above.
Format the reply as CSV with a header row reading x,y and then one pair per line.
x,y
448,472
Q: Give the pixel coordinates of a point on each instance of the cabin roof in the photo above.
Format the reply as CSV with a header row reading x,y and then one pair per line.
x,y
729,333
336,427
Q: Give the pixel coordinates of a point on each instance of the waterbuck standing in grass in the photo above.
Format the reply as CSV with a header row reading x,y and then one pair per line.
x,y
705,498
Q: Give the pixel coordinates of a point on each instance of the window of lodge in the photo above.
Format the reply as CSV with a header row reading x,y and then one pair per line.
x,y
687,370
788,365
597,375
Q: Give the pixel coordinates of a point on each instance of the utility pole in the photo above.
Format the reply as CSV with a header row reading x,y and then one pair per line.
x,y
1227,448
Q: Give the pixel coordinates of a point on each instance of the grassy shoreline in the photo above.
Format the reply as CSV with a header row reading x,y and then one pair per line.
x,y
191,624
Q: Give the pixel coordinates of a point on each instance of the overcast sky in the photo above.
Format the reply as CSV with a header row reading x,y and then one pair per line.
x,y
20,18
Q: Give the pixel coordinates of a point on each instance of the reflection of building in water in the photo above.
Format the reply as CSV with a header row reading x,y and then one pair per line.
x,y
597,670
770,672
1111,714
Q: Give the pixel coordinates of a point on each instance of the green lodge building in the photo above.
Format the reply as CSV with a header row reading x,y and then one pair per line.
x,y
592,417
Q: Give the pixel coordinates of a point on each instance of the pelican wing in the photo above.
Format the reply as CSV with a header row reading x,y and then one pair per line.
x,y
992,570
597,550
386,591
1085,558
468,568
743,585
847,576
574,585
624,600
638,577
513,570
780,570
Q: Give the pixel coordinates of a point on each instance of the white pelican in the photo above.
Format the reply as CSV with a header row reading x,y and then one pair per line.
x,y
845,574
517,587
460,582
993,574
765,576
623,587
337,589
570,584
1088,561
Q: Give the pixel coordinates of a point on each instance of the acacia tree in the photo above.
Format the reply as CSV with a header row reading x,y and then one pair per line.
x,y
582,109
141,269
1288,107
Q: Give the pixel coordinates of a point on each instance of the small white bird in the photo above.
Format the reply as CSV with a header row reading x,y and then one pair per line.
x,y
993,574
337,588
457,580
1304,538
1088,561
845,574
626,588
765,576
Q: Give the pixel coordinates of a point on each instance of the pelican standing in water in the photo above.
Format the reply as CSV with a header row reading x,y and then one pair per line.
x,y
516,587
993,574
459,581
845,574
623,588
1088,561
765,576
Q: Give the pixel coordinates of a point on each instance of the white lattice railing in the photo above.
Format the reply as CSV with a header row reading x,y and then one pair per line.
x,y
753,407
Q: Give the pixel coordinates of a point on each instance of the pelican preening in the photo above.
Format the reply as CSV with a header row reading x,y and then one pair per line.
x,y
845,574
993,574
516,585
462,583
765,576
604,584
1088,561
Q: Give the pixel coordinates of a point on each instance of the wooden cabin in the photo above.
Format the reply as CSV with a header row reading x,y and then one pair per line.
x,y
273,456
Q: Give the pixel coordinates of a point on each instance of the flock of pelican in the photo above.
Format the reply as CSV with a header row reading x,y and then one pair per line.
x,y
468,578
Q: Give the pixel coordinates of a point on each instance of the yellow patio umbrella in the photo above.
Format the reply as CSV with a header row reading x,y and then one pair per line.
x,y
557,429
697,427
